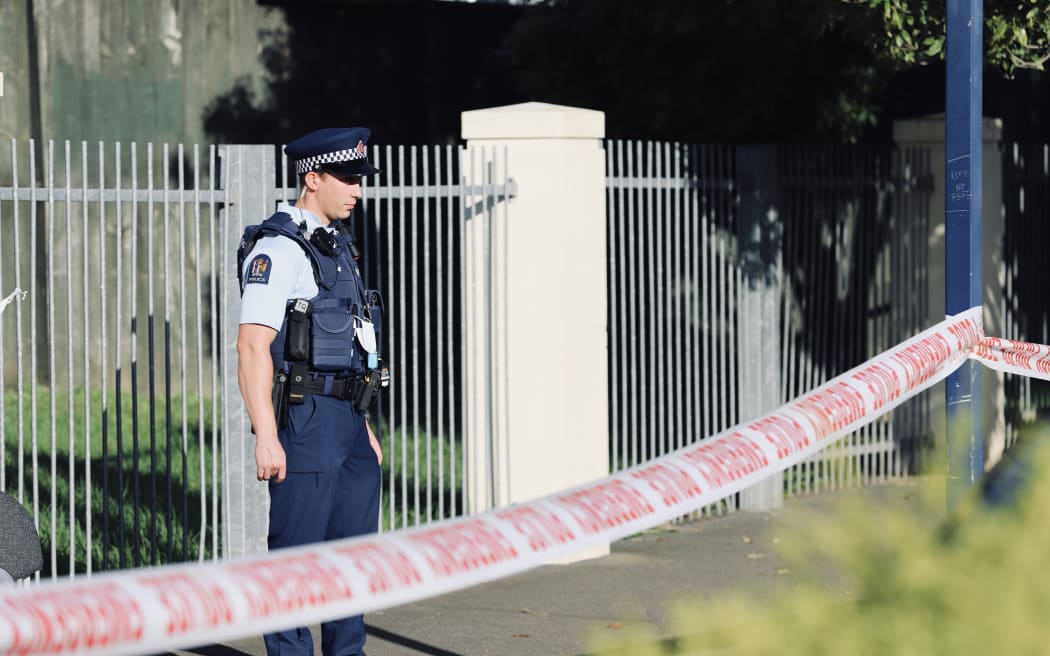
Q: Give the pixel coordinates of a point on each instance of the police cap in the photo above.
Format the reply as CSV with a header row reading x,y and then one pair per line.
x,y
339,151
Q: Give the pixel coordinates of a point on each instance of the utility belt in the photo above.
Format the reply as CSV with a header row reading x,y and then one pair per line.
x,y
292,387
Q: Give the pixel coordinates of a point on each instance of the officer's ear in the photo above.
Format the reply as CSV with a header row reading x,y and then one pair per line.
x,y
311,180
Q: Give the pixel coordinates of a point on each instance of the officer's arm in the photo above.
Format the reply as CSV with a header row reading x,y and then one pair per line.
x,y
255,376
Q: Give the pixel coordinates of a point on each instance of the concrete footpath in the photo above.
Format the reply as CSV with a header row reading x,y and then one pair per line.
x,y
552,610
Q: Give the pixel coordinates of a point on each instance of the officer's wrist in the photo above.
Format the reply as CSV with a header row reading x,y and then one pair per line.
x,y
267,437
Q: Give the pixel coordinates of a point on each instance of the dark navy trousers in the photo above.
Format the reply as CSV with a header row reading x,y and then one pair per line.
x,y
331,491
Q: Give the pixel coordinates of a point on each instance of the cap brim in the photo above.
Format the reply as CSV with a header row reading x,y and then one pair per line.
x,y
355,167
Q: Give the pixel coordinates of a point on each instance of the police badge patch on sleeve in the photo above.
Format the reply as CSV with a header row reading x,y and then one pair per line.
x,y
259,270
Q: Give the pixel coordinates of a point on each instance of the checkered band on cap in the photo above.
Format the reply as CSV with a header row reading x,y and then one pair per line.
x,y
308,164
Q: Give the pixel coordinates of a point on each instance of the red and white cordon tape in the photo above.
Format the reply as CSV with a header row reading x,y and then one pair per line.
x,y
159,609
1012,357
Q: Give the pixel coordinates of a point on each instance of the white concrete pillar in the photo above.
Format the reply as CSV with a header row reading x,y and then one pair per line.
x,y
536,306
929,132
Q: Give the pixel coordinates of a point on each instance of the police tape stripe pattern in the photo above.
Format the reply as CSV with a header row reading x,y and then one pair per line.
x,y
159,609
1013,357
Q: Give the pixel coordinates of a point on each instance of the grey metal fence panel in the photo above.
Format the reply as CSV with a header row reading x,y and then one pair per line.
x,y
113,466
854,222
672,283
117,363
858,288
1026,315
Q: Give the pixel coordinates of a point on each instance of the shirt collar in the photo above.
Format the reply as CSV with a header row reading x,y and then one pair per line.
x,y
299,215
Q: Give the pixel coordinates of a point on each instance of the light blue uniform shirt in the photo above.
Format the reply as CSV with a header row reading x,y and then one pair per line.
x,y
286,273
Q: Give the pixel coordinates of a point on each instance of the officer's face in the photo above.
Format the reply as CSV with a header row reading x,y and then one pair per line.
x,y
337,195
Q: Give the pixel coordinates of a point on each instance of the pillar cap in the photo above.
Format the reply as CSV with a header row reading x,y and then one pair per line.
x,y
533,120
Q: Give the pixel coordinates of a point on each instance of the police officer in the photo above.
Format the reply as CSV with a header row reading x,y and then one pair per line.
x,y
308,363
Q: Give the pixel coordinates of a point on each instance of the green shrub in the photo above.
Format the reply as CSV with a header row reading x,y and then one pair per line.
x,y
903,582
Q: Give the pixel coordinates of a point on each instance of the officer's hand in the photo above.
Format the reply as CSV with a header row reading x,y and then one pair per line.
x,y
269,460
375,443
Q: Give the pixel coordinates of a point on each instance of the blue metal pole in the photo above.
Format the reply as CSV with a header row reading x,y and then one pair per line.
x,y
963,240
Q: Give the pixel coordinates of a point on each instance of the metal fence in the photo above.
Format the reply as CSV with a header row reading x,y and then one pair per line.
x,y
108,420
112,426
857,224
116,363
843,261
1026,311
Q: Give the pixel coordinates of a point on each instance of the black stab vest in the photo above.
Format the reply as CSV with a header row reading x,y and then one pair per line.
x,y
340,298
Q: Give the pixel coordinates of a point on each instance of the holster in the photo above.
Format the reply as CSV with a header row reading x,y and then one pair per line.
x,y
364,389
280,398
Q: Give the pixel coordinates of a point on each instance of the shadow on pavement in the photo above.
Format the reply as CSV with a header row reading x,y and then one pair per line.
x,y
211,650
409,643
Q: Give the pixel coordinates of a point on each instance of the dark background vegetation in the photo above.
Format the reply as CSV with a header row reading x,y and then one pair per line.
x,y
715,71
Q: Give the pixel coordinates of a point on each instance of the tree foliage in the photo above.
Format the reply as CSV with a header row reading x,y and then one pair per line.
x,y
751,71
1016,36
717,70
714,71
